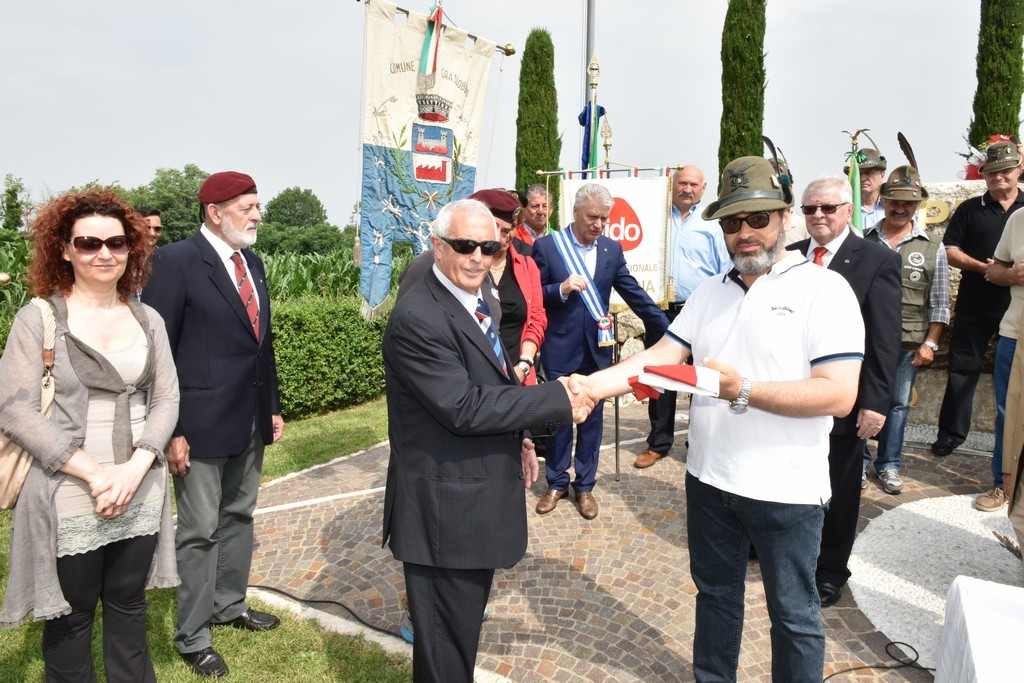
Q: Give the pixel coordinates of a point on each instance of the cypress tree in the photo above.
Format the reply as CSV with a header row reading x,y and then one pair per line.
x,y
538,143
1000,71
742,81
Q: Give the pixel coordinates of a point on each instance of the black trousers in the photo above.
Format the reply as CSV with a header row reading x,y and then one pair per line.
x,y
839,530
116,574
967,345
447,608
662,410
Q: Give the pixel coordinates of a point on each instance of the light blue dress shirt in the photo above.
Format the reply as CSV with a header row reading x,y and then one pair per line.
x,y
698,251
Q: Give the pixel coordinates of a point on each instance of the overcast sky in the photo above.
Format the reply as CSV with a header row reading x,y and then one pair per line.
x,y
111,91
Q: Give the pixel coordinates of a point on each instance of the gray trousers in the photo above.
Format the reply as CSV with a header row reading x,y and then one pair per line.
x,y
216,499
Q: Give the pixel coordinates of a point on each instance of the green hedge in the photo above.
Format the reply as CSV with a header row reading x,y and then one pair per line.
x,y
328,355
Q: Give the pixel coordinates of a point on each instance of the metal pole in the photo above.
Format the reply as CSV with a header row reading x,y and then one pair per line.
x,y
591,44
615,360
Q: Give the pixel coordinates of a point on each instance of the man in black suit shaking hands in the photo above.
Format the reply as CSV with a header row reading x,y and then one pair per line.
x,y
454,507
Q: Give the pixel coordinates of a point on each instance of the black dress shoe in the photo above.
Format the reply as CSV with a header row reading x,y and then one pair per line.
x,y
829,593
253,620
205,662
943,446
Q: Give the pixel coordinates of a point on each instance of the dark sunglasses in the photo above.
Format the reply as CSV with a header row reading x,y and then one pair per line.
x,y
118,244
465,247
827,209
734,224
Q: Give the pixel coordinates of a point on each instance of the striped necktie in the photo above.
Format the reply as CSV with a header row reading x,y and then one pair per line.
x,y
246,292
483,316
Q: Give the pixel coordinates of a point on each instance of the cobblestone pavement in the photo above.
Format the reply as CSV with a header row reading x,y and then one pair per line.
x,y
605,600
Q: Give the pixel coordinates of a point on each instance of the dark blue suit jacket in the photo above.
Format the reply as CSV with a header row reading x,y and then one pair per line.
x,y
227,377
572,331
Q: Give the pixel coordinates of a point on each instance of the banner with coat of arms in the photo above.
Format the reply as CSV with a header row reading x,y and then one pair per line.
x,y
423,101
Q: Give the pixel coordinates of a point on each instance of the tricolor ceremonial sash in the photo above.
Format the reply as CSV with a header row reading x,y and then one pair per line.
x,y
591,299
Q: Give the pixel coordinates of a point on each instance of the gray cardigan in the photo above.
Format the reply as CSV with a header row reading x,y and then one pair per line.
x,y
32,583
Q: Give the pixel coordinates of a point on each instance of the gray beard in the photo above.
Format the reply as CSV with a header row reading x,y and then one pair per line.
x,y
760,263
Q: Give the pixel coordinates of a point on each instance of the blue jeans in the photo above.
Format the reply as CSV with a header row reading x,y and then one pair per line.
x,y
1001,378
721,527
890,439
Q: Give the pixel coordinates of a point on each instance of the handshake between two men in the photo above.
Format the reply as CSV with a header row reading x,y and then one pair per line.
x,y
581,397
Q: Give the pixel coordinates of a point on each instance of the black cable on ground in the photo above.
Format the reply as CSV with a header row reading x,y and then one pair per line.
x,y
307,601
909,663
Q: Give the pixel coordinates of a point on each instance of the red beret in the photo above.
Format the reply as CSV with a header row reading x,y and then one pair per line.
x,y
502,203
220,187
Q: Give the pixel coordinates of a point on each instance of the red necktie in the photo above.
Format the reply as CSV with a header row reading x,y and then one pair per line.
x,y
819,252
245,291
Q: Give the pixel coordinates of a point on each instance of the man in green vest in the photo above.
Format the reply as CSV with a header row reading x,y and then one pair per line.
x,y
925,308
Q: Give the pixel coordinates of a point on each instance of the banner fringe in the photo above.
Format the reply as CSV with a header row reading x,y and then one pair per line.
x,y
372,313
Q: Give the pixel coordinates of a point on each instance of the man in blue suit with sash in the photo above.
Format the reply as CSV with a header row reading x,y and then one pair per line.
x,y
579,266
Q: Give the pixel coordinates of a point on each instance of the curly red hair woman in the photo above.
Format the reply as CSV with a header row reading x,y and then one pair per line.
x,y
50,272
93,519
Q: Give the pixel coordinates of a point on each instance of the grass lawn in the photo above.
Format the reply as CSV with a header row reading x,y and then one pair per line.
x,y
297,652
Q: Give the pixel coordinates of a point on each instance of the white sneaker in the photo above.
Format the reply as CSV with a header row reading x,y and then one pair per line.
x,y
891,481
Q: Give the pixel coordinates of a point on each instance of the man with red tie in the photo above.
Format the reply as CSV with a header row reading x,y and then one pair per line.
x,y
211,291
873,273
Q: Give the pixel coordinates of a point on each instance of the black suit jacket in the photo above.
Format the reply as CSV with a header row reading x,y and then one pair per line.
x,y
873,272
227,377
455,496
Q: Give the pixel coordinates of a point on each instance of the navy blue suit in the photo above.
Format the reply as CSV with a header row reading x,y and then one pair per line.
x,y
228,382
570,345
228,377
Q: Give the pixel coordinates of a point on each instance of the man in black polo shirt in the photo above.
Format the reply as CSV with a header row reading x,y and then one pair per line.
x,y
970,241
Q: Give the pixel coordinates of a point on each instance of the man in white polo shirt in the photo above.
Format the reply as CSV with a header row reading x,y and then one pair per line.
x,y
788,340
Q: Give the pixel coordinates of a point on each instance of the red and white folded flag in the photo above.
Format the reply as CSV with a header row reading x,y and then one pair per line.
x,y
691,379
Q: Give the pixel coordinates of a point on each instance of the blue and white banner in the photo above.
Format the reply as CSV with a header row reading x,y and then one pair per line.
x,y
421,127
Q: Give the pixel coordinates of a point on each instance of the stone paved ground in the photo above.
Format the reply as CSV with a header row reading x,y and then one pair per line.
x,y
607,600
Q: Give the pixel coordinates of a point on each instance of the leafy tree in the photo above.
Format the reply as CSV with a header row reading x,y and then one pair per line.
x,y
538,143
14,205
743,80
176,194
1000,71
276,238
295,207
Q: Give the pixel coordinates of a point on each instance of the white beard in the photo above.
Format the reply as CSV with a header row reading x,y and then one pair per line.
x,y
235,236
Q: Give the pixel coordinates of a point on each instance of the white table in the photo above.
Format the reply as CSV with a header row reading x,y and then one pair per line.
x,y
982,632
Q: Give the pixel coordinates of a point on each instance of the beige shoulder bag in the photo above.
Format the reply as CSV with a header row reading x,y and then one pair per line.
x,y
15,461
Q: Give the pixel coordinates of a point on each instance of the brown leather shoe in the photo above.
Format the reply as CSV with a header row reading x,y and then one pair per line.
x,y
647,458
587,503
549,500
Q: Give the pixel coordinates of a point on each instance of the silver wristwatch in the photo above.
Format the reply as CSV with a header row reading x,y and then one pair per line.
x,y
739,404
931,345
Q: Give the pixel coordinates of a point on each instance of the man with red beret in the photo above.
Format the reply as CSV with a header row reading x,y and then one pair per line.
x,y
211,291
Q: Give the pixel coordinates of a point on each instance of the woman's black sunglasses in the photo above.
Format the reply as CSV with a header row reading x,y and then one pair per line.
x,y
118,244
